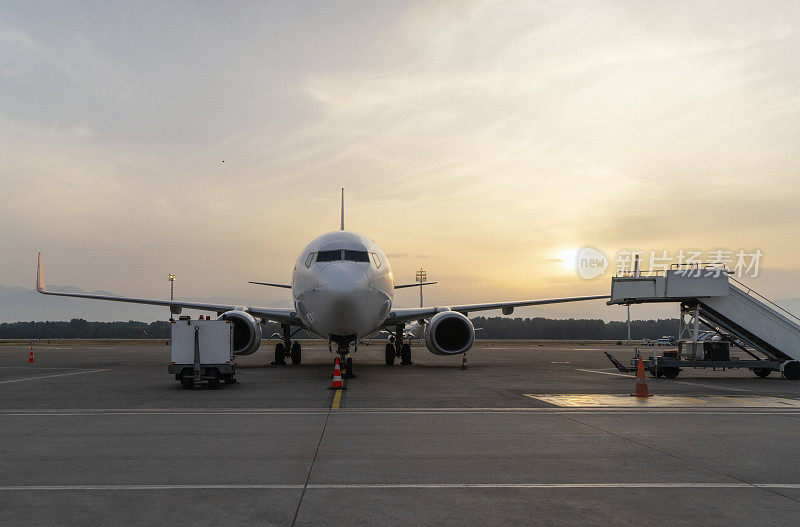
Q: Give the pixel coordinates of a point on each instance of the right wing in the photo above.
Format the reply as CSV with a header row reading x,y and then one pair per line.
x,y
412,285
402,315
283,315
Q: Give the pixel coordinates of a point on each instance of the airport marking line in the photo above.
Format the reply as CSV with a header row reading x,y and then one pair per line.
x,y
712,386
54,375
603,372
713,401
367,486
277,412
337,400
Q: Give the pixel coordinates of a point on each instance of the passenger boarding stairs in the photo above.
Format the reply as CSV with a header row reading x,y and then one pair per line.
x,y
710,296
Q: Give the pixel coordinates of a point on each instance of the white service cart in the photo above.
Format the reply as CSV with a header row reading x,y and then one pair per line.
x,y
202,352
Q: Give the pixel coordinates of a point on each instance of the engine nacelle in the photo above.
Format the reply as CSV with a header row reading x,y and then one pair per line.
x,y
246,331
449,333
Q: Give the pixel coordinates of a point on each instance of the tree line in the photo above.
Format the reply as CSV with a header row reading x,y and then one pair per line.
x,y
490,328
571,329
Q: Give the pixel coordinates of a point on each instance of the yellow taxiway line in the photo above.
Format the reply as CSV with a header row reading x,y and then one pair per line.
x,y
337,400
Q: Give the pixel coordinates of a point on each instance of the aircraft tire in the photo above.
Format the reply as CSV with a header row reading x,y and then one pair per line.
x,y
405,354
390,354
280,354
296,353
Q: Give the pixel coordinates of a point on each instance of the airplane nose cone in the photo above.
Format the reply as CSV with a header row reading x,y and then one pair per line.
x,y
342,276
341,289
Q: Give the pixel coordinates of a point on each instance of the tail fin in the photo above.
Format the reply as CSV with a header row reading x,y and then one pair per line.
x,y
342,208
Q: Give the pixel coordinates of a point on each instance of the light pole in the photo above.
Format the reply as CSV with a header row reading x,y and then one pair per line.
x,y
171,278
422,277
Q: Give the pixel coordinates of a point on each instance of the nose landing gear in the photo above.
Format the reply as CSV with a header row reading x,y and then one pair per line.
x,y
343,350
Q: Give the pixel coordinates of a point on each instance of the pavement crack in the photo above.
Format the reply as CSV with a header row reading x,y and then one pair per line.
x,y
311,468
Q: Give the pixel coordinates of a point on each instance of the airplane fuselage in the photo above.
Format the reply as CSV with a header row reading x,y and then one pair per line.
x,y
342,285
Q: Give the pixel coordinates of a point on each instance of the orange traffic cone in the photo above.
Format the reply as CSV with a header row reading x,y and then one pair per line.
x,y
337,383
30,357
641,383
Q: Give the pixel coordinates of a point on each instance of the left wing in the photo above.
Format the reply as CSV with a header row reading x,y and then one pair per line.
x,y
271,285
398,316
284,315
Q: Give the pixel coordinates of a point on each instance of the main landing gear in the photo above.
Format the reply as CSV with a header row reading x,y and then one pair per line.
x,y
398,348
287,348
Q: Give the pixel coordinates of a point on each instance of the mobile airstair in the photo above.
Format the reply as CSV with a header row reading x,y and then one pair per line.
x,y
711,299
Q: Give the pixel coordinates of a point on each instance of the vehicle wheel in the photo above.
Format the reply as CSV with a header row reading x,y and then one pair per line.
x,y
296,353
187,383
280,353
792,370
762,372
213,383
671,373
660,373
389,354
405,354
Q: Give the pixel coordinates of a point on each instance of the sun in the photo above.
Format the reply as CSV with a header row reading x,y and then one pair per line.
x,y
567,258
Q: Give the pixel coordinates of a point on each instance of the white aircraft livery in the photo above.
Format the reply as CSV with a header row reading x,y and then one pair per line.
x,y
342,288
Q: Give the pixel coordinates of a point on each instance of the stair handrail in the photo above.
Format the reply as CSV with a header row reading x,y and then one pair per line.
x,y
750,290
641,274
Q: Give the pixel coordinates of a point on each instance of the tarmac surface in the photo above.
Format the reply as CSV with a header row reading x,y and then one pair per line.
x,y
101,434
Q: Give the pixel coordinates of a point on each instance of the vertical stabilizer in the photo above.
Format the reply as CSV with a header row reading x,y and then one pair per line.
x,y
342,208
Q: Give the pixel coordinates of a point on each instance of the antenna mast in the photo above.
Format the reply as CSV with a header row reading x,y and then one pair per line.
x,y
342,208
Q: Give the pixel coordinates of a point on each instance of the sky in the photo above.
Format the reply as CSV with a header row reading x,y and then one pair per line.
x,y
486,141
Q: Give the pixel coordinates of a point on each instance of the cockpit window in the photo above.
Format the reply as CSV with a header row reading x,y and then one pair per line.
x,y
329,256
375,260
310,259
356,256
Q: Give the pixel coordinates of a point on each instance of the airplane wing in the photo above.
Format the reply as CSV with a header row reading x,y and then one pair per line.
x,y
284,315
413,285
284,286
400,315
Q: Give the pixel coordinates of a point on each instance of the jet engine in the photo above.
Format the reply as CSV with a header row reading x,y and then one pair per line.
x,y
246,331
449,333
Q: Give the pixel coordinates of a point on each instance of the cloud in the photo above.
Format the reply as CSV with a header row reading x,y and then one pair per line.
x,y
475,138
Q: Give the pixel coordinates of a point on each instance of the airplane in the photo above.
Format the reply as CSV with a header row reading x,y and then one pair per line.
x,y
342,290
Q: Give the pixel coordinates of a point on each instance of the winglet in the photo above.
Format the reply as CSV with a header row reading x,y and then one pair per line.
x,y
342,208
40,275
